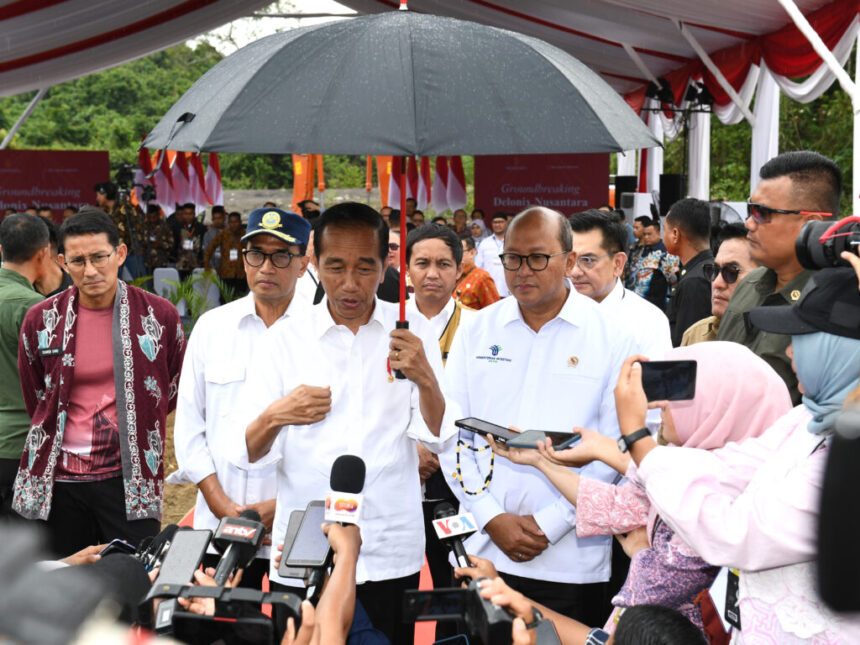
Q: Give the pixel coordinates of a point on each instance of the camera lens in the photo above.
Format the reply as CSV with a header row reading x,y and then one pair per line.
x,y
811,253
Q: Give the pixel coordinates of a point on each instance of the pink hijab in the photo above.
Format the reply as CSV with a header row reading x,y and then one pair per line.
x,y
738,396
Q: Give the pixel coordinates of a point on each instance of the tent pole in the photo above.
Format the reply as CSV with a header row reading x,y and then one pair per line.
x,y
855,176
712,67
640,64
822,50
24,116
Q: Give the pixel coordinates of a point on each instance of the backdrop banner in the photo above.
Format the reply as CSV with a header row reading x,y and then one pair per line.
x,y
566,183
54,178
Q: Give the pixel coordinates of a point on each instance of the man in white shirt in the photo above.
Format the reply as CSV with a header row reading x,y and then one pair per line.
x,y
489,249
323,385
545,359
434,261
599,240
216,364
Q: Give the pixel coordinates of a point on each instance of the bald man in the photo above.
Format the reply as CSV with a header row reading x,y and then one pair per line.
x,y
545,359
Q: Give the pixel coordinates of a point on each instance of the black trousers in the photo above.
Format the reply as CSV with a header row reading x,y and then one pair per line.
x,y
383,601
8,472
582,602
86,513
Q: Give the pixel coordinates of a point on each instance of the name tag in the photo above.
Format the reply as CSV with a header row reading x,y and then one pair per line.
x,y
234,255
50,351
188,245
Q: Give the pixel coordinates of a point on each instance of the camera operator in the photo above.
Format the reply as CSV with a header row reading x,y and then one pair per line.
x,y
128,219
853,259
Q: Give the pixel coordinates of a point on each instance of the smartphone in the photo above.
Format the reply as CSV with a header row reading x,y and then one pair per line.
x,y
289,537
311,547
669,380
183,557
434,604
499,433
530,438
118,545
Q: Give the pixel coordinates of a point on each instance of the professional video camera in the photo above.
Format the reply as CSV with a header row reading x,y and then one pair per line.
x,y
124,180
820,244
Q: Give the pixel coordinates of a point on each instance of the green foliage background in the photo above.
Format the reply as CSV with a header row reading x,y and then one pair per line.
x,y
113,109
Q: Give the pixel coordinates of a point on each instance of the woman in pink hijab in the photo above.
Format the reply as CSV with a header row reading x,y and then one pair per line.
x,y
738,396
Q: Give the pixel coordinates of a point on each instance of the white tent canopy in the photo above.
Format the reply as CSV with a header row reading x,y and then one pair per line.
x,y
738,49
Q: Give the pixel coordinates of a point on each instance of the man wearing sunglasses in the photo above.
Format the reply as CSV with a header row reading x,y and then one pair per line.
x,y
215,368
795,187
731,265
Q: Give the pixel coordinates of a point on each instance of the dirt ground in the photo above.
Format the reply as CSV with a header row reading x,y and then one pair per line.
x,y
178,498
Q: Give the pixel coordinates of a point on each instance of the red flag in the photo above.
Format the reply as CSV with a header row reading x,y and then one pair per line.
x,y
394,183
197,181
164,185
425,184
214,190
140,175
456,193
411,178
440,195
181,186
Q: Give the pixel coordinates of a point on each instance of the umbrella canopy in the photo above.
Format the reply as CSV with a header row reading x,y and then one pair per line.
x,y
400,83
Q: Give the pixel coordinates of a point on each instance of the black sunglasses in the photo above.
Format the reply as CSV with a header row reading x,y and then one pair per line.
x,y
730,272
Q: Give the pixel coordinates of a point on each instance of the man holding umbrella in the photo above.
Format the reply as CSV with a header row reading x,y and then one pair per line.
x,y
324,385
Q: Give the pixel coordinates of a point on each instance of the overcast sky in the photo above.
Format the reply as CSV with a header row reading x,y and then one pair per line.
x,y
246,30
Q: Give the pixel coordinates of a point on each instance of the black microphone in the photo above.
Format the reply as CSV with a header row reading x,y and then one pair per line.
x,y
343,503
452,528
238,539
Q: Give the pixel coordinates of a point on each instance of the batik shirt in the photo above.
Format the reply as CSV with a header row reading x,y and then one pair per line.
x,y
476,289
148,346
129,221
655,272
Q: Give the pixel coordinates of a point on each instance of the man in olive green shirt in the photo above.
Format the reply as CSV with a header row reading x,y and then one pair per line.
x,y
795,187
24,241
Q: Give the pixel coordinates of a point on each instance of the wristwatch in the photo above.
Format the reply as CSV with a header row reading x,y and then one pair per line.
x,y
626,442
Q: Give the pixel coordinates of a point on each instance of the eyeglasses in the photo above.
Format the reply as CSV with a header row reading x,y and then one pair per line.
x,y
279,259
730,272
98,260
762,214
393,246
535,261
588,262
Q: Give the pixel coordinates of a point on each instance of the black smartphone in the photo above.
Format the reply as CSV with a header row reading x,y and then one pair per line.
x,y
311,547
669,380
499,433
183,557
118,545
530,438
289,537
434,604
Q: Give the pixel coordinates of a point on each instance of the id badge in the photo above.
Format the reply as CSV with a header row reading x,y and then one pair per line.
x,y
234,255
188,245
733,612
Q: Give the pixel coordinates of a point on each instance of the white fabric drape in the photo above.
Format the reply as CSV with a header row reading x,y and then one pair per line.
x,y
655,155
731,114
626,163
765,134
699,156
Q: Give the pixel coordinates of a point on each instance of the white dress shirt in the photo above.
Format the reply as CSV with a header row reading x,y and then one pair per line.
x,y
371,416
439,322
214,370
501,371
648,325
487,258
306,285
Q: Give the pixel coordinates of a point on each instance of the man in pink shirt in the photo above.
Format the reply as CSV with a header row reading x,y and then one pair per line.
x,y
99,367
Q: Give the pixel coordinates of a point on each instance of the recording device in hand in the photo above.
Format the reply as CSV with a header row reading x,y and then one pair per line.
x,y
820,244
310,548
481,427
293,525
343,503
669,380
238,540
452,528
183,557
485,622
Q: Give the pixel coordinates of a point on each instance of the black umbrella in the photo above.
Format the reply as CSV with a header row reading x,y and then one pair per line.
x,y
400,83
